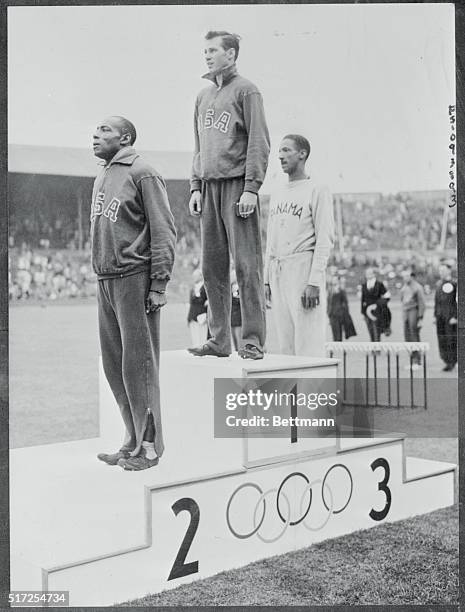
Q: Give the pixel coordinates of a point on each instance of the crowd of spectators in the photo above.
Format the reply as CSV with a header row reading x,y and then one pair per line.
x,y
389,267
397,222
386,232
49,274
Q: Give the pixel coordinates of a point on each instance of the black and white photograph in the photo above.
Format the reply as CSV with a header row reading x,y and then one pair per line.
x,y
232,305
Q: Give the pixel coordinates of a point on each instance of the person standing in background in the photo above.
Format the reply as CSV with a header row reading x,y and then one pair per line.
x,y
197,315
445,314
372,291
413,309
338,312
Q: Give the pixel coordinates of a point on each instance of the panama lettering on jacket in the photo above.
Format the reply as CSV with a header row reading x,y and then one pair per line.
x,y
286,208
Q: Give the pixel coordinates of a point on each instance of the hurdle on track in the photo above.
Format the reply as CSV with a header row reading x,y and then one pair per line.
x,y
378,351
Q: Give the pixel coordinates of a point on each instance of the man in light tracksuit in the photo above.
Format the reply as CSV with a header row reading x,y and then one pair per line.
x,y
231,156
299,240
133,238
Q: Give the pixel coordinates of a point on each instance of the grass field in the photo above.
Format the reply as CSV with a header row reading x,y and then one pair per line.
x,y
54,397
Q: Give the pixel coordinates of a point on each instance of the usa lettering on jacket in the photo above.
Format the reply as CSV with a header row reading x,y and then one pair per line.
x,y
208,121
98,207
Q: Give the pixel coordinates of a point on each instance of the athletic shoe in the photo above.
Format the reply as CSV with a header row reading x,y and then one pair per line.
x,y
114,458
250,351
206,350
448,368
141,462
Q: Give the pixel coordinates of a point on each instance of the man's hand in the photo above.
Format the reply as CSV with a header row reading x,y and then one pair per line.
x,y
195,203
247,204
419,323
452,321
154,301
268,296
310,297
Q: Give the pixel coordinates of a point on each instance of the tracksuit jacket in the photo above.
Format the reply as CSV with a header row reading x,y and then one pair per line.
x,y
132,227
231,136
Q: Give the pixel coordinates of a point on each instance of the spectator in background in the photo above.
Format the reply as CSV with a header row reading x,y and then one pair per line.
x,y
197,315
413,309
338,312
372,291
236,317
445,313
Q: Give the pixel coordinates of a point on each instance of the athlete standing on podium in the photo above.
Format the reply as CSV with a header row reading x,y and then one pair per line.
x,y
232,147
299,240
133,238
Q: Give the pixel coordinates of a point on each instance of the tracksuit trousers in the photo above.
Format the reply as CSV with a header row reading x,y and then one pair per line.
x,y
300,331
224,232
130,344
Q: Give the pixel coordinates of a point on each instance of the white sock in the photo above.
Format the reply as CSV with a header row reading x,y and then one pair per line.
x,y
149,450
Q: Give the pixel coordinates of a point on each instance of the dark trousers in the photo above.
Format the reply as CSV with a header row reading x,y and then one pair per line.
x,y
222,232
411,330
336,328
447,340
130,344
373,329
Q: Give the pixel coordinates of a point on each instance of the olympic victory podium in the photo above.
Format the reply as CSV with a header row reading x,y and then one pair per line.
x,y
212,504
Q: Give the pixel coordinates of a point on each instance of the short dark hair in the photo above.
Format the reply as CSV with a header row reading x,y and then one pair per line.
x,y
126,127
228,40
301,142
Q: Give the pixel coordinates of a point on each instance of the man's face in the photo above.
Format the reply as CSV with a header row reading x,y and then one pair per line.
x,y
290,156
369,273
406,275
108,139
216,57
443,271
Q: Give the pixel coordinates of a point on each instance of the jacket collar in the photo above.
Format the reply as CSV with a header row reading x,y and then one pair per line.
x,y
125,156
228,74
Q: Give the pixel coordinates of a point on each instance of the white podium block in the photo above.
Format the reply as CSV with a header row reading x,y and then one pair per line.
x,y
106,535
187,403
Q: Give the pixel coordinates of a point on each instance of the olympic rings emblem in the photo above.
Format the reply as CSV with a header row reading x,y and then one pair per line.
x,y
258,518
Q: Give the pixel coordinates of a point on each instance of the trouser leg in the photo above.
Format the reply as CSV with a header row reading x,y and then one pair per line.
x,y
309,323
112,359
140,335
246,249
236,337
447,341
281,314
451,343
372,329
215,267
412,333
336,328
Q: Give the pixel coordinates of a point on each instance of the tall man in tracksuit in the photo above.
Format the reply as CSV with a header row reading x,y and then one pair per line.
x,y
231,156
133,239
299,240
445,314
